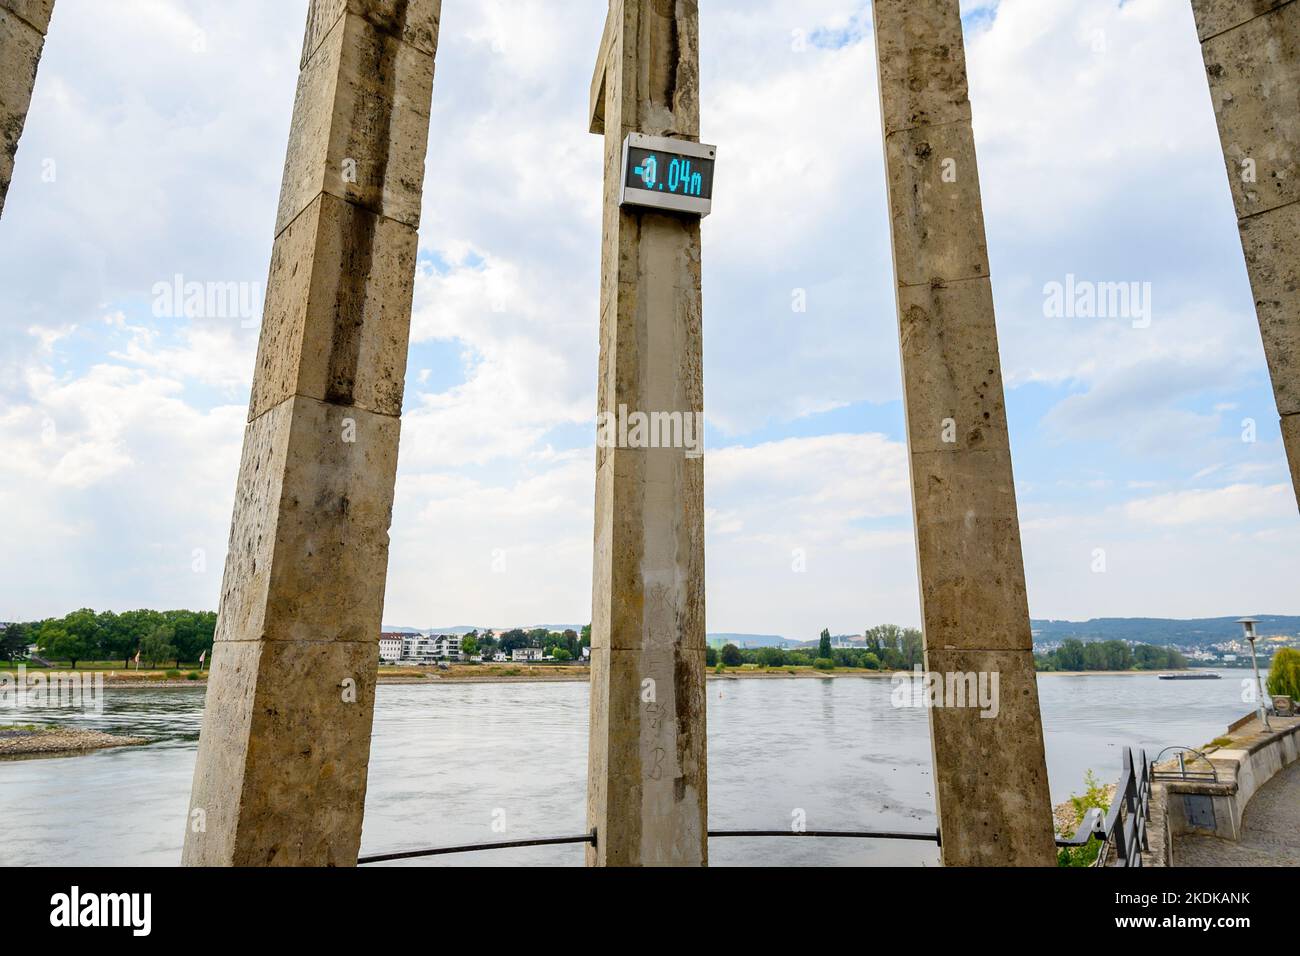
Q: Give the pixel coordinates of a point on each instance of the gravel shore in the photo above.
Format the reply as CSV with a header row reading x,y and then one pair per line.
x,y
59,740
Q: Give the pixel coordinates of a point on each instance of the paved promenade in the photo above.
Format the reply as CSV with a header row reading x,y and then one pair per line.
x,y
1270,830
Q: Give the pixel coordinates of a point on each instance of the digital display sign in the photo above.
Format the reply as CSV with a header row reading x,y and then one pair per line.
x,y
670,174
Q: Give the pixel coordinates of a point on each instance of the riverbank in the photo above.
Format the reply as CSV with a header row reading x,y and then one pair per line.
x,y
538,673
57,741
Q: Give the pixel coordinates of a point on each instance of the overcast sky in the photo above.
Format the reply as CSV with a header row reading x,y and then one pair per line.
x,y
154,149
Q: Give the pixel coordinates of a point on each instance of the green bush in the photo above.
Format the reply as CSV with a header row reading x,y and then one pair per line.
x,y
1094,797
172,674
824,664
192,675
1284,674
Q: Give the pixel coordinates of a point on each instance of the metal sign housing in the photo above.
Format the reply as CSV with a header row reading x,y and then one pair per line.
x,y
675,175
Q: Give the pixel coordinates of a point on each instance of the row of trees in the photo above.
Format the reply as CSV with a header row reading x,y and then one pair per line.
x,y
563,645
888,647
1075,655
84,635
893,648
899,648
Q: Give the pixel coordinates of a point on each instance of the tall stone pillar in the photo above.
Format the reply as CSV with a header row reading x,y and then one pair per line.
x,y
1251,50
990,772
281,772
646,795
23,24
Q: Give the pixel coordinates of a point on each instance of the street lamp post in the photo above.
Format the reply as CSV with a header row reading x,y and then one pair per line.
x,y
1248,625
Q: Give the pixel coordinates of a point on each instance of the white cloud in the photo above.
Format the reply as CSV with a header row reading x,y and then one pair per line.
x,y
1199,552
468,552
110,484
820,528
1235,505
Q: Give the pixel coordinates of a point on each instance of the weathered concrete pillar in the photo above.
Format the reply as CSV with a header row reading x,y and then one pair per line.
x,y
281,773
1251,50
646,793
990,772
22,37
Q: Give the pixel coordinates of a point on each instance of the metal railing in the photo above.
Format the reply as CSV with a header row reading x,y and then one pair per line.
x,y
473,847
926,837
1123,828
1182,773
590,838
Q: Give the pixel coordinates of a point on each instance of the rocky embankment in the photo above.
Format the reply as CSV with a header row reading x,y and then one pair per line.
x,y
52,741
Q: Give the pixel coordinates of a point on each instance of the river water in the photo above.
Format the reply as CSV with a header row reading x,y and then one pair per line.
x,y
450,760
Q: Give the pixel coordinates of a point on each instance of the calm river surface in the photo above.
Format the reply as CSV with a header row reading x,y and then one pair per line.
x,y
446,757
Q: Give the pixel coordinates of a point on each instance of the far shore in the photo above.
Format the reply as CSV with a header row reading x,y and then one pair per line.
x,y
543,673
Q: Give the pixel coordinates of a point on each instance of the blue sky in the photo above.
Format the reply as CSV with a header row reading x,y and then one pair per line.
x,y
164,125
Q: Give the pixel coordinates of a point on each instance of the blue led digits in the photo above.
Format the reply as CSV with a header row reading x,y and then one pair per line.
x,y
670,174
680,174
683,179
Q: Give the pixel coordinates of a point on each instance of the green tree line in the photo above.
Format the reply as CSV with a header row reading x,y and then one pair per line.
x,y
892,648
158,636
888,647
563,645
1076,655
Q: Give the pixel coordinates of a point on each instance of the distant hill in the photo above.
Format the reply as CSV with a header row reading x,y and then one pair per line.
x,y
1161,630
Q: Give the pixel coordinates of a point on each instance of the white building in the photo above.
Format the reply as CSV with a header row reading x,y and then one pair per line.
x,y
526,654
422,649
390,647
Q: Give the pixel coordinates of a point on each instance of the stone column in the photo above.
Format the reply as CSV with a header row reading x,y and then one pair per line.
x,y
23,24
646,793
1251,50
990,772
281,772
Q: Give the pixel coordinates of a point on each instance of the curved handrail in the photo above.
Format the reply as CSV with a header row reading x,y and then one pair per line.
x,y
1183,773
